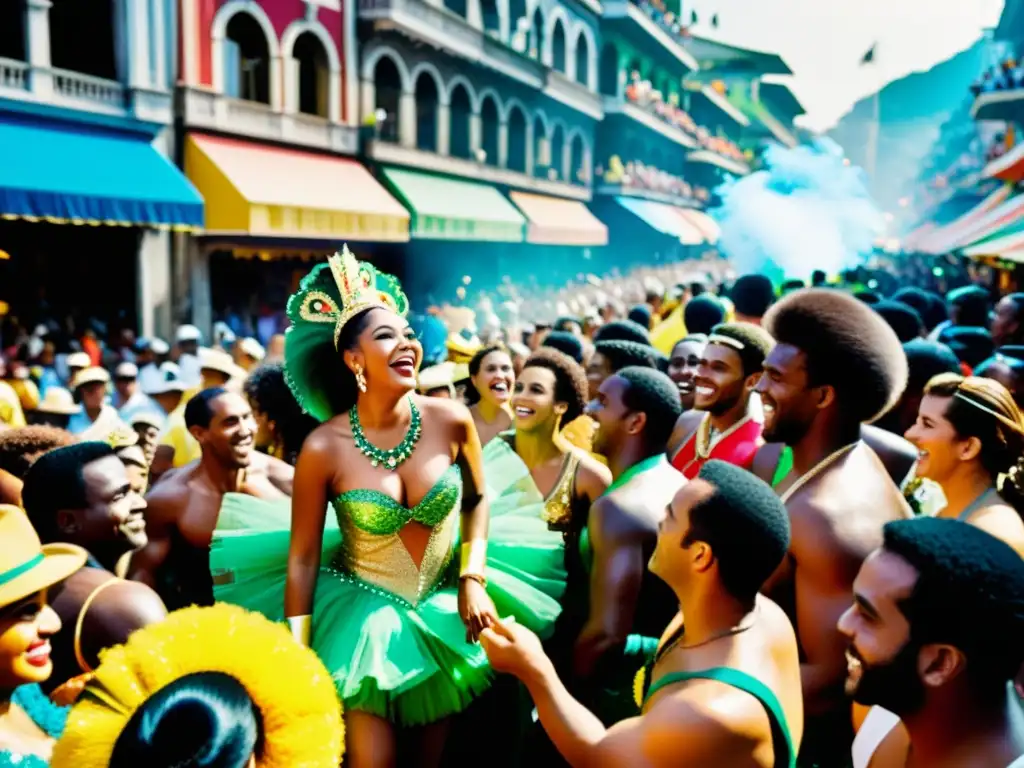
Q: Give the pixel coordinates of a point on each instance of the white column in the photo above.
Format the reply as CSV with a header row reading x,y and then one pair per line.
x,y
334,111
349,64
190,43
290,71
444,135
199,288
37,37
529,148
136,38
502,144
368,91
474,14
475,134
407,120
276,83
158,42
154,286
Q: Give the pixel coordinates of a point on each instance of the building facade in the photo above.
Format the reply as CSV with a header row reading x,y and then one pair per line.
x,y
85,177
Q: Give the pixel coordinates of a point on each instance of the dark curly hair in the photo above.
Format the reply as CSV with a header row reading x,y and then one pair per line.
x,y
570,379
21,446
268,392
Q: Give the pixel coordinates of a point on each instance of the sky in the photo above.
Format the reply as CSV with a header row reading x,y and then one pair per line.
x,y
823,41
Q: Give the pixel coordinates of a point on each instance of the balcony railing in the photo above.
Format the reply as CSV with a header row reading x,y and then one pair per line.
x,y
13,75
76,86
637,179
654,25
443,29
649,119
206,109
394,154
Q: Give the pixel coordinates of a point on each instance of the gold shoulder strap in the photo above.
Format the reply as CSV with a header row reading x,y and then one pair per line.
x,y
80,622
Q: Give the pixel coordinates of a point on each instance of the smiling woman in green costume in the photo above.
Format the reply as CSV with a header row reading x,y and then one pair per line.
x,y
380,595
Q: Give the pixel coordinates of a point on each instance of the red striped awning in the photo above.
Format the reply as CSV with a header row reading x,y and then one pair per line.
x,y
954,234
1008,167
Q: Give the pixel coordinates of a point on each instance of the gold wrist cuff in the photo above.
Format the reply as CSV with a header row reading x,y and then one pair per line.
x,y
474,558
301,628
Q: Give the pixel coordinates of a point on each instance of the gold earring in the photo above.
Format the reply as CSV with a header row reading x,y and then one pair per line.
x,y
360,378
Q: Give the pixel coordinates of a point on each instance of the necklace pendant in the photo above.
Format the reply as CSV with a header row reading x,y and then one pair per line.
x,y
391,463
374,462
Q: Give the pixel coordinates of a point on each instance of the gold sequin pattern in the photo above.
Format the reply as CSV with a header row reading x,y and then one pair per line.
x,y
558,504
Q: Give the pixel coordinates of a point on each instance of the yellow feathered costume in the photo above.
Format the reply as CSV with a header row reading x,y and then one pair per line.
x,y
296,698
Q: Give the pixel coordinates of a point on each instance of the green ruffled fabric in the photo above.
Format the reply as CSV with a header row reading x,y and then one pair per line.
x,y
409,664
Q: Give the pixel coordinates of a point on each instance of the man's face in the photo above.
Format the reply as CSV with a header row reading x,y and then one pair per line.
x,y
112,517
1005,322
598,369
231,435
881,660
148,435
92,394
789,405
614,419
125,387
672,561
720,383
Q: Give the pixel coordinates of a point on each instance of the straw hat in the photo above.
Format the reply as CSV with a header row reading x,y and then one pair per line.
x,y
92,375
26,566
78,360
59,401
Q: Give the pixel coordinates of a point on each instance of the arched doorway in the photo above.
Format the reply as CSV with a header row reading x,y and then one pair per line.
x,y
608,70
246,60
490,128
426,112
490,17
387,84
314,76
82,36
558,151
582,59
537,34
517,139
460,109
577,161
558,56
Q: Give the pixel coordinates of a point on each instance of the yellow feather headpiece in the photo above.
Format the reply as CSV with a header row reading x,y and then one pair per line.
x,y
291,688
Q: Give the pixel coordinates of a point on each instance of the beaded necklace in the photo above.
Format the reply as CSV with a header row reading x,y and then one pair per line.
x,y
394,457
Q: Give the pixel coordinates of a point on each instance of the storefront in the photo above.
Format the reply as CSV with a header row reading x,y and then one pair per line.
x,y
271,212
87,209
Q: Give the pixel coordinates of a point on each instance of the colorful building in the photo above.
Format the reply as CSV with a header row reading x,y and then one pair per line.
x,y
89,199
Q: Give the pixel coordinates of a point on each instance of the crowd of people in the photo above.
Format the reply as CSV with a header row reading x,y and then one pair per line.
x,y
688,517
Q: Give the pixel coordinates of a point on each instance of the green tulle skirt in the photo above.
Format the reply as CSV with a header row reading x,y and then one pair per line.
x,y
409,664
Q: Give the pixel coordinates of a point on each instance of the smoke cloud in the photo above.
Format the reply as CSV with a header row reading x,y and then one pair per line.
x,y
804,210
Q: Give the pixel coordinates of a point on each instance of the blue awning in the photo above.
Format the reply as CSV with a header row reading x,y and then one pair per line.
x,y
664,218
83,174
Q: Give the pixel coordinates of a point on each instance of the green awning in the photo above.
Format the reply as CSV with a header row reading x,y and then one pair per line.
x,y
447,209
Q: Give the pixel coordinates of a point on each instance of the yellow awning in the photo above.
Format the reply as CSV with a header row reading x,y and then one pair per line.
x,y
270,192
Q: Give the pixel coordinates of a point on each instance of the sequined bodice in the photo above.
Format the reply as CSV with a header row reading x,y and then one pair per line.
x,y
372,551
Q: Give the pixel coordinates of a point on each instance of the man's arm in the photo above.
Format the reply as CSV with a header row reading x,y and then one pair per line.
x,y
281,474
161,521
823,582
686,425
615,580
117,611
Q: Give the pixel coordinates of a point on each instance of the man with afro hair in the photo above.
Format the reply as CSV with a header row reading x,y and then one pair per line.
x,y
623,330
836,364
723,689
936,635
752,295
724,423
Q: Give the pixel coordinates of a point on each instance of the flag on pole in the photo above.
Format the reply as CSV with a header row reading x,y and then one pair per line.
x,y
870,55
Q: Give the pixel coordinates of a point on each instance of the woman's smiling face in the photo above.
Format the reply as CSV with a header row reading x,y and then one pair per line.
x,y
495,378
533,404
25,631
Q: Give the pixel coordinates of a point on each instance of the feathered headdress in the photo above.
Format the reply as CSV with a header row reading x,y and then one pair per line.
x,y
291,688
327,299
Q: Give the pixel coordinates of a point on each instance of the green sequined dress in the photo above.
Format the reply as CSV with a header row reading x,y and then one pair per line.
x,y
389,630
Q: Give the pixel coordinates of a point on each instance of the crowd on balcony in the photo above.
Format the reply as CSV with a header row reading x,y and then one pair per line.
x,y
1006,76
658,12
635,175
644,95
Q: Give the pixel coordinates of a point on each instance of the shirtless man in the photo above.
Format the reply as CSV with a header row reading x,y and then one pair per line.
x,y
936,633
724,691
634,410
80,494
723,424
835,365
185,504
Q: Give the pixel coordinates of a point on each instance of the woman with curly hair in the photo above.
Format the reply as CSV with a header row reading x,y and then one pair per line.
x,y
207,686
283,425
970,435
376,589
